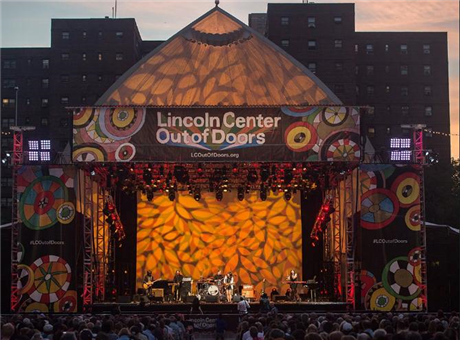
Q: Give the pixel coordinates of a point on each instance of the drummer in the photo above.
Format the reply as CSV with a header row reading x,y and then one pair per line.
x,y
218,277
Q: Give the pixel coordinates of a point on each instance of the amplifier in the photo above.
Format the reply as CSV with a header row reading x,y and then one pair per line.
x,y
248,291
211,298
190,298
157,292
280,298
186,279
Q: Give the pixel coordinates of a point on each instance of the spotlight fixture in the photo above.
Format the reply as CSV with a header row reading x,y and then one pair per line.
x,y
150,195
197,194
287,195
240,193
219,195
172,195
263,193
252,176
264,173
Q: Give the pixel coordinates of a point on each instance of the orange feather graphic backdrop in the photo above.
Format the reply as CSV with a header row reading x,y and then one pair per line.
x,y
254,239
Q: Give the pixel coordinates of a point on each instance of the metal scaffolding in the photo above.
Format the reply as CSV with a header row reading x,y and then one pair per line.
x,y
87,240
349,221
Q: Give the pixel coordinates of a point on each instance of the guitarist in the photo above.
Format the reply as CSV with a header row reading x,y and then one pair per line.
x,y
147,283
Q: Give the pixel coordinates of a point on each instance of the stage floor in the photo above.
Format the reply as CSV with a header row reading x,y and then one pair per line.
x,y
213,308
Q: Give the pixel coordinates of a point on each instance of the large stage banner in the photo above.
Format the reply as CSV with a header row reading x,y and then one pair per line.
x,y
390,238
253,239
47,239
122,134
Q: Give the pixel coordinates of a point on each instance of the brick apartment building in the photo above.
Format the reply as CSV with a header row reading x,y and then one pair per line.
x,y
402,76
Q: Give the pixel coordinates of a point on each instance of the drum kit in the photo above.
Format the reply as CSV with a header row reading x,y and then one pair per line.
x,y
210,287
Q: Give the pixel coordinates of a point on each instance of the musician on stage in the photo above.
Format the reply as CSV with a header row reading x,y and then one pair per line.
x,y
293,276
229,280
178,277
218,276
148,282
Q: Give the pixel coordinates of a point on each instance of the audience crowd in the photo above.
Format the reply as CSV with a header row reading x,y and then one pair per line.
x,y
253,326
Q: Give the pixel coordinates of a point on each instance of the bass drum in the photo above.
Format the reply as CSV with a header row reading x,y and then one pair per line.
x,y
213,290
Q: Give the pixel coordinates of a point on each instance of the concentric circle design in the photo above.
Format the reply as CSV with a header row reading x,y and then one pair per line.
x,y
68,303
66,213
25,278
335,115
83,117
344,150
52,276
412,218
125,152
418,274
121,123
398,279
40,201
21,252
37,307
295,111
368,280
415,256
368,181
378,298
416,305
300,137
89,153
379,208
407,189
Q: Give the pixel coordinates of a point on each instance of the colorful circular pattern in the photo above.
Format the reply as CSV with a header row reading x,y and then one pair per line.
x,y
379,207
40,201
295,111
415,256
89,153
121,123
66,213
21,252
334,115
68,303
25,278
344,150
368,181
407,189
36,307
300,137
125,152
52,276
83,117
378,298
398,279
416,305
368,280
412,218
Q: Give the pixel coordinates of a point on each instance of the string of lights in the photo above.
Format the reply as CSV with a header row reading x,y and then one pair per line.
x,y
442,133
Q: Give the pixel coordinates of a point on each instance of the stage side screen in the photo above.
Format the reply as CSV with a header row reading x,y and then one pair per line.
x,y
254,239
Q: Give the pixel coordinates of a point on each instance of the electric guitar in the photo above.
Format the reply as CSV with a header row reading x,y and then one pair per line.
x,y
149,284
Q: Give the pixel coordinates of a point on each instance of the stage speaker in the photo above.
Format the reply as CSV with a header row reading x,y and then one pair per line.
x,y
280,298
124,299
189,298
186,288
158,292
211,298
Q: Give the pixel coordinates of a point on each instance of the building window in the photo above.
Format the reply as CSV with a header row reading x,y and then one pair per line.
x,y
387,48
64,100
65,56
404,49
27,101
404,70
119,56
311,22
312,44
7,201
9,64
7,142
45,83
426,70
44,121
84,34
7,122
371,132
338,43
426,49
285,21
428,110
404,91
99,56
83,77
99,78
99,34
65,35
285,42
83,56
371,110
83,99
7,182
370,90
9,83
45,63
338,66
337,20
64,122
370,70
369,49
388,130
119,34
404,110
387,69
427,91
339,88
64,78
45,102
356,48
387,88
8,102
312,67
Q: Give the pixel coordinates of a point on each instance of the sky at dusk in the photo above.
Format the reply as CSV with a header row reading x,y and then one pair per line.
x,y
28,24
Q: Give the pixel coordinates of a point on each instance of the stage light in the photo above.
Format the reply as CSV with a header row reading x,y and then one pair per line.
x,y
8,154
294,166
219,195
33,145
199,170
45,144
263,193
33,156
240,193
149,195
264,173
252,176
45,156
172,195
287,195
197,194
288,176
235,168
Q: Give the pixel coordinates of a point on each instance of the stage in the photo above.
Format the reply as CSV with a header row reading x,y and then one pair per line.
x,y
216,308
